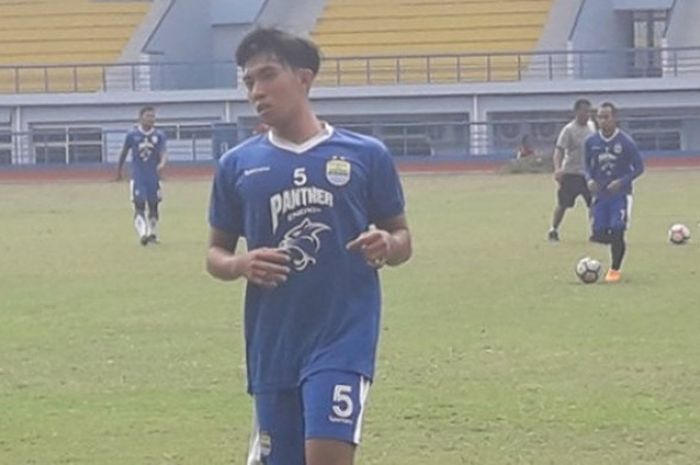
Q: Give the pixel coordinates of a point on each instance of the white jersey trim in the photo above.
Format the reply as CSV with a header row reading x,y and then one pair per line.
x,y
254,448
364,392
628,213
316,140
608,139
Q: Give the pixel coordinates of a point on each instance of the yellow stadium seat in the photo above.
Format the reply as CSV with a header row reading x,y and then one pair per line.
x,y
36,33
350,31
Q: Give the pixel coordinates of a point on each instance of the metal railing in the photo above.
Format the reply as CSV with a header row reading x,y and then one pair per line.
x,y
499,67
498,138
370,70
105,77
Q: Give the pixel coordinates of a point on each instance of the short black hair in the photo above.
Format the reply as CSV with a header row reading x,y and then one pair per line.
x,y
610,105
581,102
290,50
145,109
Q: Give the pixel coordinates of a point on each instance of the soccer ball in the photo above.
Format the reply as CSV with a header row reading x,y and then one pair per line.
x,y
588,270
678,234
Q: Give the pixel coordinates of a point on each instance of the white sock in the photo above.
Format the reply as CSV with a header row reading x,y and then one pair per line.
x,y
140,225
153,227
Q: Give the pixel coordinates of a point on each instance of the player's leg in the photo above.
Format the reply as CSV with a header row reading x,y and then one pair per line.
x,y
154,199
153,221
140,223
279,439
566,197
600,222
618,224
587,197
557,217
334,405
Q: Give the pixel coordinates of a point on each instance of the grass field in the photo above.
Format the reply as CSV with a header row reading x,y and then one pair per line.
x,y
492,353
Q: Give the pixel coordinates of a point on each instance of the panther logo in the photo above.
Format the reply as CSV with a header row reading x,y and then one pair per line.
x,y
302,242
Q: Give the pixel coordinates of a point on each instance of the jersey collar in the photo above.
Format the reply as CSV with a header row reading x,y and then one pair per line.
x,y
284,144
146,133
608,139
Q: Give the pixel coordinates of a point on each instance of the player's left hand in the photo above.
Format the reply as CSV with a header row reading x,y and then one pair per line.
x,y
615,185
375,246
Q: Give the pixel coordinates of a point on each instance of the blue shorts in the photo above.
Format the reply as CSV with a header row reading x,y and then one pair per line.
x,y
327,405
612,213
143,191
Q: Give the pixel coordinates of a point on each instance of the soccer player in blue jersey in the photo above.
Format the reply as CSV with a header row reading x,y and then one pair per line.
x,y
322,210
612,163
148,157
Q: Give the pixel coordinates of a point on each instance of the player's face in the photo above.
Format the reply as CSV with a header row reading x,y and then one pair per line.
x,y
606,120
276,91
148,119
582,114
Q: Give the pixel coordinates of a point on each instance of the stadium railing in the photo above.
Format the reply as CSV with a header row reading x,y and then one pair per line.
x,y
368,70
424,140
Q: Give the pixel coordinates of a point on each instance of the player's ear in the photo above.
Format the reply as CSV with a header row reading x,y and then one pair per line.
x,y
306,77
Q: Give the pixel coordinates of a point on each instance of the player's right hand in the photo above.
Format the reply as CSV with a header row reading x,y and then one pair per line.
x,y
593,187
266,267
558,175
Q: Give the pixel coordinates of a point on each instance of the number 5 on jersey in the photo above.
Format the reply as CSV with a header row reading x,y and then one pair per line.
x,y
300,176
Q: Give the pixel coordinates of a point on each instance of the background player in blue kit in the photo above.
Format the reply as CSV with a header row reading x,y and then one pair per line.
x,y
612,163
321,209
148,157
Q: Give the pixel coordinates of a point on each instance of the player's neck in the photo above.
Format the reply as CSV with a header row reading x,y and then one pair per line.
x,y
300,129
608,134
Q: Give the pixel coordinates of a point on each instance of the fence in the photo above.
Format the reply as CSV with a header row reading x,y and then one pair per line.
x,y
405,69
498,138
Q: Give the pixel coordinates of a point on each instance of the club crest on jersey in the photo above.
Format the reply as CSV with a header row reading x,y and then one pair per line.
x,y
617,149
338,171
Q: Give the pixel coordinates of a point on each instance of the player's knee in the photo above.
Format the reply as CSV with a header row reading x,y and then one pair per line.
x,y
602,236
153,210
139,207
329,452
617,235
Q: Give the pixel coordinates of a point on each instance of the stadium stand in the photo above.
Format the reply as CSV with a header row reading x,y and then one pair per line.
x,y
464,28
48,32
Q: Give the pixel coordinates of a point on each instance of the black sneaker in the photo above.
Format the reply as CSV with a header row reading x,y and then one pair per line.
x,y
553,235
144,240
152,238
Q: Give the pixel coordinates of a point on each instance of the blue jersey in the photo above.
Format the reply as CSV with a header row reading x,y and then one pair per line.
x,y
146,148
310,200
612,158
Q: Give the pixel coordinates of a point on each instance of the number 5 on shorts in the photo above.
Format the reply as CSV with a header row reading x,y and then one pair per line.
x,y
342,402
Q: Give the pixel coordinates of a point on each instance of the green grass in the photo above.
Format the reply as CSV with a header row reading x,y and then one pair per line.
x,y
492,353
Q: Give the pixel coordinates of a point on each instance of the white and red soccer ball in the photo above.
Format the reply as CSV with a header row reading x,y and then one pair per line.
x,y
678,234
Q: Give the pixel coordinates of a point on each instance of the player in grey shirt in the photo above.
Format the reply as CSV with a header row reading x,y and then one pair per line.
x,y
568,164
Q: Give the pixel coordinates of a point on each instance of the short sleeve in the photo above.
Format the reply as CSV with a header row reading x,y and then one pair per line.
x,y
386,198
225,206
563,139
162,142
128,140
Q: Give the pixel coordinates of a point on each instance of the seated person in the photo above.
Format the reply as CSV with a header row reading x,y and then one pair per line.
x,y
525,148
